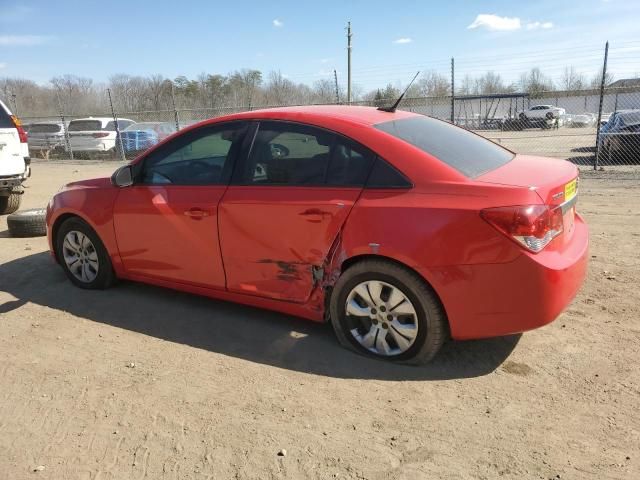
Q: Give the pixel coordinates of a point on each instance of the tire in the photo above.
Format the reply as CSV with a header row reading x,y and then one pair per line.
x,y
430,319
104,276
28,223
10,203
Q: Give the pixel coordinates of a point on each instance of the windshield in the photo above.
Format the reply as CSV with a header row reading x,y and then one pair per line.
x,y
470,154
44,128
85,125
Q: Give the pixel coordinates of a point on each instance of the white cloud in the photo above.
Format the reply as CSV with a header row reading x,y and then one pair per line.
x,y
539,25
2,65
278,23
325,60
495,22
22,40
402,40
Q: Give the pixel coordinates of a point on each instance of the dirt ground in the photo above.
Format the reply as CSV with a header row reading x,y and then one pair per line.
x,y
141,382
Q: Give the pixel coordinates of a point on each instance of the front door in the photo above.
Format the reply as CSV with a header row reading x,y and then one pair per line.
x,y
166,224
287,203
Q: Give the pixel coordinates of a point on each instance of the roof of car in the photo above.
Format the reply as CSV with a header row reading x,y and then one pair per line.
x,y
101,119
347,113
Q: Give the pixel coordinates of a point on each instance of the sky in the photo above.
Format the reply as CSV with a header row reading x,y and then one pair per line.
x,y
306,40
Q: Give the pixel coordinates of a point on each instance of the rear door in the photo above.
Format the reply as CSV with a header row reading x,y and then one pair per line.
x,y
11,158
288,200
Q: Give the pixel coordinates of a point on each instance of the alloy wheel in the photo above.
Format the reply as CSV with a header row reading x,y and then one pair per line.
x,y
80,256
382,318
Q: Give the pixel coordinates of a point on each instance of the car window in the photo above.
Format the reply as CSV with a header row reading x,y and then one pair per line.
x,y
201,157
45,128
5,119
85,125
288,154
384,175
350,164
470,154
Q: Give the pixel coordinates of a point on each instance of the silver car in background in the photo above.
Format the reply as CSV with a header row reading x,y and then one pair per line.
x,y
46,136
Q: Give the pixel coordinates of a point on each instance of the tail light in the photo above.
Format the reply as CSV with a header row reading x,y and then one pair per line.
x,y
21,132
532,226
100,135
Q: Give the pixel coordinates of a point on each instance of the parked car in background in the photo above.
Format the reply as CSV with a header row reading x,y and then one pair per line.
x,y
95,135
46,136
141,136
620,138
399,229
604,118
14,160
542,112
581,120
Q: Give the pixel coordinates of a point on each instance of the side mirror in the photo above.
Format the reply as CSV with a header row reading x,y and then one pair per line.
x,y
123,177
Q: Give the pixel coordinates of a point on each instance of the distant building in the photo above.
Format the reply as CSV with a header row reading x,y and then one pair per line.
x,y
626,83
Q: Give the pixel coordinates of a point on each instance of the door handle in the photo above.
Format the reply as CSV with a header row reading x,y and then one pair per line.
x,y
196,213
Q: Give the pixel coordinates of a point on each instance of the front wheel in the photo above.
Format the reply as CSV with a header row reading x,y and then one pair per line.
x,y
384,310
82,255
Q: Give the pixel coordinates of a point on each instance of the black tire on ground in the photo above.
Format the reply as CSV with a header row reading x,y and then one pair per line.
x,y
106,276
28,223
431,318
10,203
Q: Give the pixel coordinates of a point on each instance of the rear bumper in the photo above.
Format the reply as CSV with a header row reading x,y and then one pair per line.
x,y
490,300
98,146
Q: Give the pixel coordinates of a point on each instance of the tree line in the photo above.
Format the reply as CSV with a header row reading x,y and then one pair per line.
x,y
246,88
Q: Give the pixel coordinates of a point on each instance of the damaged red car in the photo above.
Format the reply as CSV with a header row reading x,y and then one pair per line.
x,y
399,229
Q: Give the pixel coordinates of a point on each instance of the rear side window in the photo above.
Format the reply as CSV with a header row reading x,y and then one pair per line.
x,y
5,119
470,154
52,128
384,175
85,125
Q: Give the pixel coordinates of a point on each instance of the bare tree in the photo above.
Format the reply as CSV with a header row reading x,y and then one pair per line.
x,y
571,80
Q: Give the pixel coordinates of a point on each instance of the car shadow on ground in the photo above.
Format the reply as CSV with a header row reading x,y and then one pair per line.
x,y
244,332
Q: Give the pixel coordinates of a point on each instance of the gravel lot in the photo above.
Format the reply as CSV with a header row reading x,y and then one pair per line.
x,y
140,382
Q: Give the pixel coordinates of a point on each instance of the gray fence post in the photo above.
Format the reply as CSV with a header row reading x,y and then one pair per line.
x,y
175,111
119,145
604,73
453,95
67,141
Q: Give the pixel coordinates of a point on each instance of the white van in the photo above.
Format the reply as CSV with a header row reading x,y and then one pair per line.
x,y
14,160
95,134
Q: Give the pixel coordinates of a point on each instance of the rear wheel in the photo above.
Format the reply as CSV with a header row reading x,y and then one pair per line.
x,y
82,255
10,203
386,311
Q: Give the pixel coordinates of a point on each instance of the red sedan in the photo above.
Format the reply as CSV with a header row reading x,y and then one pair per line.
x,y
399,229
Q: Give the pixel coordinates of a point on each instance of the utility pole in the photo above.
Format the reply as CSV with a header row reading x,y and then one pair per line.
x,y
453,86
335,77
349,35
604,75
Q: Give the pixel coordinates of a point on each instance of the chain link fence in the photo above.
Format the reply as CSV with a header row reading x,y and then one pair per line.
x,y
555,124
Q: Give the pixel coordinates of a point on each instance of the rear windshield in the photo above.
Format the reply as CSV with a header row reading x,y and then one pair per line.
x,y
470,154
52,128
85,125
5,119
